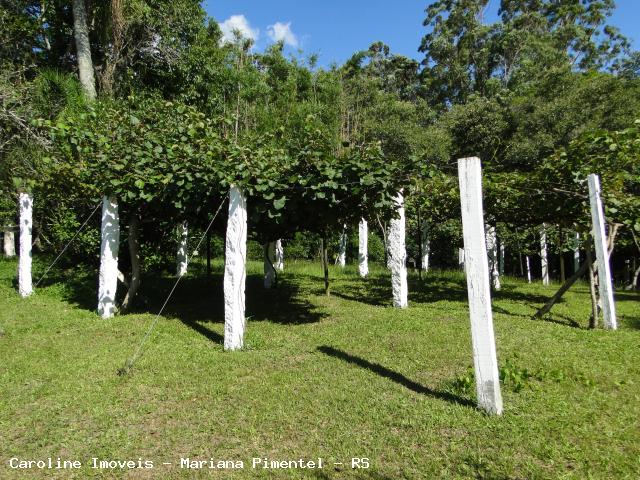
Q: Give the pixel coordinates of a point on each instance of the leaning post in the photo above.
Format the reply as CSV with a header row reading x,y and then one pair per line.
x,y
235,271
477,272
605,284
25,286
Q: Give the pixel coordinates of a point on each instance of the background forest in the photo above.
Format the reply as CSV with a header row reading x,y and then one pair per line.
x,y
144,100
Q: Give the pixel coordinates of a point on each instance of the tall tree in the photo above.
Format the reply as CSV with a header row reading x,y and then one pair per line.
x,y
83,49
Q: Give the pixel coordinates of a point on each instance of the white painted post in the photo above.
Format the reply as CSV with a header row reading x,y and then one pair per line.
x,y
492,249
426,246
576,254
9,243
363,254
477,271
398,256
528,268
279,263
461,258
605,284
108,276
183,245
269,254
342,254
235,271
543,254
25,286
501,258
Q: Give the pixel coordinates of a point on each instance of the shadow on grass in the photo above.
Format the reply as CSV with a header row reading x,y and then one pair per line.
x,y
394,376
197,300
376,290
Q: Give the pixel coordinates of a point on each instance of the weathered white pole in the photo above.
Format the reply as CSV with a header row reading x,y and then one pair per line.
x,y
461,258
477,271
492,249
9,243
108,277
398,256
605,284
235,270
576,254
543,254
183,245
501,263
279,263
426,246
269,254
528,268
25,287
342,254
363,254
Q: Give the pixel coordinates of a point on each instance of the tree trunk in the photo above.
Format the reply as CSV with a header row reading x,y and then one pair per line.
x,y
269,253
325,263
134,253
83,49
634,282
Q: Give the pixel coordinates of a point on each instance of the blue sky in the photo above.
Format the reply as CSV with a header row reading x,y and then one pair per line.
x,y
336,29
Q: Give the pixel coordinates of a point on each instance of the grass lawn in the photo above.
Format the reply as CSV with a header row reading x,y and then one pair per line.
x,y
336,378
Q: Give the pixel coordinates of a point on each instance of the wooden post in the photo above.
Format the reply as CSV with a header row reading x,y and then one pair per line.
x,y
576,254
9,243
109,247
363,255
183,245
492,250
398,256
235,271
477,271
528,269
543,254
605,284
279,263
25,286
425,246
342,254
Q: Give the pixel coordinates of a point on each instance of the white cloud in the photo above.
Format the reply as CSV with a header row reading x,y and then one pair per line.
x,y
282,32
240,24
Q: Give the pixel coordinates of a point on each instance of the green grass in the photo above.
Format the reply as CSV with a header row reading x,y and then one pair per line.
x,y
339,377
